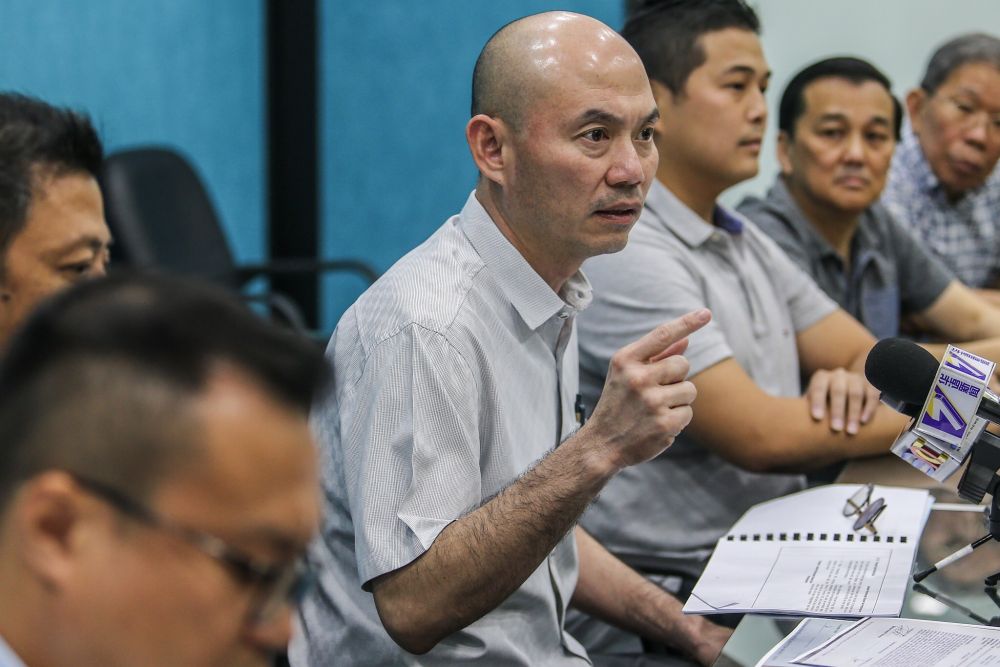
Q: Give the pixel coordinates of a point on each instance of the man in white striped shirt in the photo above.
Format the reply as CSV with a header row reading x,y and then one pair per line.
x,y
449,532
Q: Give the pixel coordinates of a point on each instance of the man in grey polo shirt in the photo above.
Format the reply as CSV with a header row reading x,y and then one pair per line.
x,y
752,426
838,124
449,524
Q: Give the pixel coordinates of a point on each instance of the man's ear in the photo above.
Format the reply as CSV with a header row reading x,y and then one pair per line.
x,y
784,148
488,137
45,518
916,100
664,101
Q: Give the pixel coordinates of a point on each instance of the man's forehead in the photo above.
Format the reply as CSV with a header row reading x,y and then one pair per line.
x,y
733,49
976,75
835,95
66,213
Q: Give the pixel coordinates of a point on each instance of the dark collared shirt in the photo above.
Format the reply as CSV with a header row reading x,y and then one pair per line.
x,y
889,277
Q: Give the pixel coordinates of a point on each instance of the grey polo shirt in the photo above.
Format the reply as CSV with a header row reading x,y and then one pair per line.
x,y
890,275
666,515
454,373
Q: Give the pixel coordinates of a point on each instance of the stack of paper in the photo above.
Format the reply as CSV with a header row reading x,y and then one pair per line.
x,y
885,642
799,555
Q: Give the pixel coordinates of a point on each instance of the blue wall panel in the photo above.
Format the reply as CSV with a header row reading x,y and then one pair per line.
x,y
182,72
395,92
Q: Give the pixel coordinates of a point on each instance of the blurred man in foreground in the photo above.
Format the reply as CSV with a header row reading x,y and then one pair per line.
x,y
157,480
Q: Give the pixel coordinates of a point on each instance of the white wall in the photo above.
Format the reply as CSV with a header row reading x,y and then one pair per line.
x,y
897,36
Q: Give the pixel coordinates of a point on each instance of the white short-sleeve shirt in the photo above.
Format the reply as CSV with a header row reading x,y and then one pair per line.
x,y
454,374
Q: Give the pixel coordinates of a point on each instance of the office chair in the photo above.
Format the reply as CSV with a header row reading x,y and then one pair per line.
x,y
162,219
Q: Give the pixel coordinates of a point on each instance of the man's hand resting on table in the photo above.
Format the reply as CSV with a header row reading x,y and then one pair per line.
x,y
846,398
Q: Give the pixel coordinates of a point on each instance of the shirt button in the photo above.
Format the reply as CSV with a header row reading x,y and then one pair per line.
x,y
563,315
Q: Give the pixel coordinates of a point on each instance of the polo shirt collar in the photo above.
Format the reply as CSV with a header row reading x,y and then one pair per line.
x,y
781,199
530,295
684,223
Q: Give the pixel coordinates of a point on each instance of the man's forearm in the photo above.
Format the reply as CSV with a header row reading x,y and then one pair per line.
x,y
610,590
480,559
802,444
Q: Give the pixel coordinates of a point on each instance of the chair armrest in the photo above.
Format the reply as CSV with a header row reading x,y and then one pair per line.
x,y
246,272
283,306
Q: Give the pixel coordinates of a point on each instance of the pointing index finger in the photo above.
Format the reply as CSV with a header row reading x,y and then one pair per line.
x,y
666,335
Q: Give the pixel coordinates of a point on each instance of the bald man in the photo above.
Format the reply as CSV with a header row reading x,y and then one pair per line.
x,y
450,526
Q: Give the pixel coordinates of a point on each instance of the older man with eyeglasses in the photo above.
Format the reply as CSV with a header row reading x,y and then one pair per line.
x,y
944,183
158,482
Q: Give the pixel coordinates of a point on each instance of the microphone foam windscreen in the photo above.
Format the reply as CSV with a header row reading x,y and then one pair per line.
x,y
901,369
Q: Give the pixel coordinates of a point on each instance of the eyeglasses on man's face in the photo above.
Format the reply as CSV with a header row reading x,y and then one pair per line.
x,y
276,586
966,113
867,510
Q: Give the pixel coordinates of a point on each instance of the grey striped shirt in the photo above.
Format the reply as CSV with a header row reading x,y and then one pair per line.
x,y
454,373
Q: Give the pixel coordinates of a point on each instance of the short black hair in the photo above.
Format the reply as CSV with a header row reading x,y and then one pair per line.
x,y
666,33
855,70
38,140
100,380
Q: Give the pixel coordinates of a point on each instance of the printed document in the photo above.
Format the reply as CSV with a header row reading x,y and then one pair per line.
x,y
809,634
799,555
888,642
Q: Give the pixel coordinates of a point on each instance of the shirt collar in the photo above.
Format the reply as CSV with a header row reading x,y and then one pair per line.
x,y
781,199
684,223
530,295
7,656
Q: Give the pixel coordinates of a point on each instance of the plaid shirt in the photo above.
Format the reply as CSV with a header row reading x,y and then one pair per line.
x,y
963,234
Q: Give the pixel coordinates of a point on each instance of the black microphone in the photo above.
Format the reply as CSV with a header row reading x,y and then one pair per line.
x,y
905,372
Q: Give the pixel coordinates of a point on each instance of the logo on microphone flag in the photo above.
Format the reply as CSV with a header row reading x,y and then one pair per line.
x,y
967,363
951,407
942,416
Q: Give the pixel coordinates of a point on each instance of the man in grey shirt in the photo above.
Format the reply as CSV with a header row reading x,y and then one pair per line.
x,y
838,124
752,426
451,504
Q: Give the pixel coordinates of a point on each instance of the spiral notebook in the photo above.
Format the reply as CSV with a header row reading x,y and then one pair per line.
x,y
800,555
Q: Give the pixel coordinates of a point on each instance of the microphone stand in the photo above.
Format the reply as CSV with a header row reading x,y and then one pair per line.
x,y
979,478
994,534
944,599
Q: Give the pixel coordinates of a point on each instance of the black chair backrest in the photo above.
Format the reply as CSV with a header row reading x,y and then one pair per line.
x,y
161,216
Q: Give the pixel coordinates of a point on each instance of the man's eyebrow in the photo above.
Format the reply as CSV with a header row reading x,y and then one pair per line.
x,y
842,117
746,69
965,90
607,118
88,241
598,116
832,115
